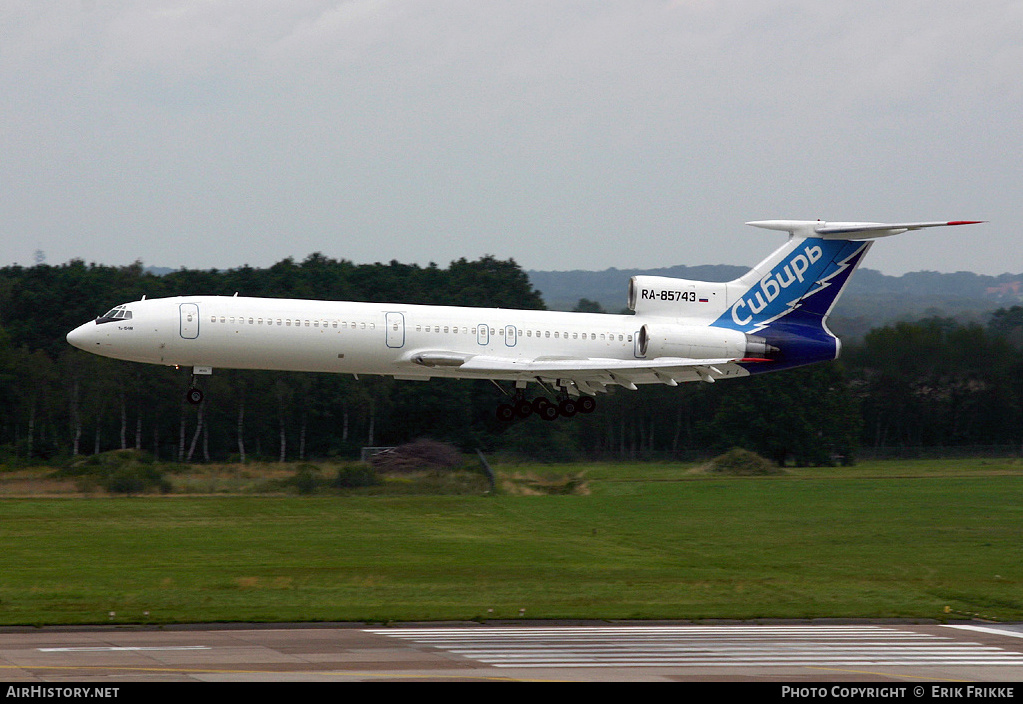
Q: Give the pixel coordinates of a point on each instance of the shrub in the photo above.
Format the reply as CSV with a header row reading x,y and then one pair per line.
x,y
118,472
135,479
307,479
354,477
739,462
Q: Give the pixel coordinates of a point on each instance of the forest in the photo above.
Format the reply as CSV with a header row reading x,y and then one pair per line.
x,y
931,383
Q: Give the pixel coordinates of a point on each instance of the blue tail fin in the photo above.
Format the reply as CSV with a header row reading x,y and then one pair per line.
x,y
786,299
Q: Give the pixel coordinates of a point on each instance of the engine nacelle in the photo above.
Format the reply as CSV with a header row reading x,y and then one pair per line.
x,y
676,298
699,342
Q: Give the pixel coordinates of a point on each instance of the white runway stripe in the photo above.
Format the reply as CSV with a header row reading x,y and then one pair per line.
x,y
651,646
115,649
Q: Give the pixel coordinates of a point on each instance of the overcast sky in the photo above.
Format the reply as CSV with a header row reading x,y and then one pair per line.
x,y
564,135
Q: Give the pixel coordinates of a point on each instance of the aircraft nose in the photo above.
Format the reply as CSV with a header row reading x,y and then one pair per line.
x,y
79,337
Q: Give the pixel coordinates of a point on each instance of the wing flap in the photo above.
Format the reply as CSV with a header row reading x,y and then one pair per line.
x,y
583,365
591,374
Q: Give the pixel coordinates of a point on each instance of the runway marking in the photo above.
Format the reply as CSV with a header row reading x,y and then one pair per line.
x,y
109,649
680,646
988,629
222,671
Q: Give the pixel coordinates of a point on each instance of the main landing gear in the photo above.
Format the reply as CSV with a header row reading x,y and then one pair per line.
x,y
520,407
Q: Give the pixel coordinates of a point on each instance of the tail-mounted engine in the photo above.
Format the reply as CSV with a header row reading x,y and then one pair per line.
x,y
698,342
676,298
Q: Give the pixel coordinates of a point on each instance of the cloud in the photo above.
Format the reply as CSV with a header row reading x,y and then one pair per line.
x,y
565,135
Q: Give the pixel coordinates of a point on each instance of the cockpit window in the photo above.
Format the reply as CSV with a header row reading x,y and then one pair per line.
x,y
118,313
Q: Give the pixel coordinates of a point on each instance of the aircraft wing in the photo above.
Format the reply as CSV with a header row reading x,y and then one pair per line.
x,y
589,374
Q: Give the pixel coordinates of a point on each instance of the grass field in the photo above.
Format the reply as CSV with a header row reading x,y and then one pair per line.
x,y
926,540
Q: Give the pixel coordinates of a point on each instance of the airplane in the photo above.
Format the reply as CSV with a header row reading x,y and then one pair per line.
x,y
772,318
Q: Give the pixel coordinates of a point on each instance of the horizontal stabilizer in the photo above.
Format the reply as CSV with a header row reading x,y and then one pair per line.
x,y
850,230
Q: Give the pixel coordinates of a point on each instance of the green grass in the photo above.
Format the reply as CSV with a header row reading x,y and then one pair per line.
x,y
929,540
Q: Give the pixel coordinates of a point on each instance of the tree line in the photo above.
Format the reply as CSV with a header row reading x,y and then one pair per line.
x,y
933,382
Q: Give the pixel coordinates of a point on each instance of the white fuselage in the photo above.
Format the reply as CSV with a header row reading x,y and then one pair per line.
x,y
345,337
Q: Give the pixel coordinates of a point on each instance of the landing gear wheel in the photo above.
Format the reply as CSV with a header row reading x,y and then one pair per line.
x,y
568,408
505,413
548,411
538,404
586,404
194,396
523,408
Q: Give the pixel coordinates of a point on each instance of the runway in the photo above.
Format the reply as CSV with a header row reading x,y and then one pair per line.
x,y
525,652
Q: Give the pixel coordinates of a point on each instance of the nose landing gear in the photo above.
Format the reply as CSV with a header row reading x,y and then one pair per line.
x,y
195,395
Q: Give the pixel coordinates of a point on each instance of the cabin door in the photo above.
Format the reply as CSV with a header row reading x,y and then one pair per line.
x,y
189,327
395,330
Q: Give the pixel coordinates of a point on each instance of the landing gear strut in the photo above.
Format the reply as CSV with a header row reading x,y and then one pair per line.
x,y
518,407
